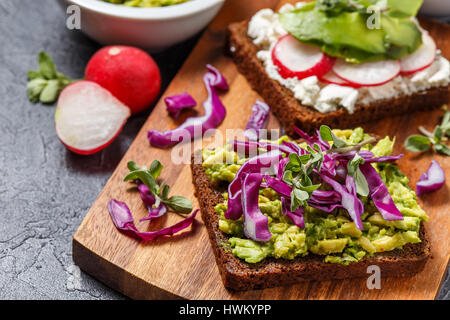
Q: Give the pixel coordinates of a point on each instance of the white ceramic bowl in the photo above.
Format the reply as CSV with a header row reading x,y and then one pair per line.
x,y
436,8
153,29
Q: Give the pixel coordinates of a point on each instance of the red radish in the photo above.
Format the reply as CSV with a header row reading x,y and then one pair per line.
x,y
297,59
129,73
88,117
368,74
422,58
332,78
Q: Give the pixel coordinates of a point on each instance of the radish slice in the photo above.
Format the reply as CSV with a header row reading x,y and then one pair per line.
x,y
332,78
367,74
88,117
422,58
297,59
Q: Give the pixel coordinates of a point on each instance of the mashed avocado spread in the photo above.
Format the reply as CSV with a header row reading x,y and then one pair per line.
x,y
146,3
332,235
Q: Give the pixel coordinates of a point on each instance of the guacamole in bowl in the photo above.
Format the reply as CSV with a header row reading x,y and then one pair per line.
x,y
146,3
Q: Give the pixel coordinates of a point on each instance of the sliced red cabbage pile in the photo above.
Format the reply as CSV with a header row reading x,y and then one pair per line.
x,y
196,126
267,169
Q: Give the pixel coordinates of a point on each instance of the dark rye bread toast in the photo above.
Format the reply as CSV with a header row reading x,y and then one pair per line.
x,y
238,275
291,112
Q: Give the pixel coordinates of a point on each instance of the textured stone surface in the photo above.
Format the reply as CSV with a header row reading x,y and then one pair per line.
x,y
46,190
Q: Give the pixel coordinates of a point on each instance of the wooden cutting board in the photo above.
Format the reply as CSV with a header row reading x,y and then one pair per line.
x,y
183,266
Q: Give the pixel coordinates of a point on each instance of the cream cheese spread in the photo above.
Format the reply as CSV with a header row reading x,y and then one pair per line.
x,y
265,30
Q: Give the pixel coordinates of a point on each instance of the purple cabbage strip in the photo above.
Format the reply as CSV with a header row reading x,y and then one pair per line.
x,y
431,180
366,155
384,159
149,200
296,216
176,103
279,186
214,114
323,196
328,166
310,140
349,199
325,207
251,147
326,201
294,147
146,195
258,120
218,81
380,194
253,165
280,168
123,220
256,224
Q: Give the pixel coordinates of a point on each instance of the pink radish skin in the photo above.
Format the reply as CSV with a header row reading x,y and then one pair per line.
x,y
88,117
332,78
422,58
368,74
297,59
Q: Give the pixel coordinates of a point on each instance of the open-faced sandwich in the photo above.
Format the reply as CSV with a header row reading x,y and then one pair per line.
x,y
341,63
280,212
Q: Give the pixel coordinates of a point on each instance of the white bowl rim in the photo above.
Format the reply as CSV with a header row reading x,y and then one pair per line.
x,y
156,13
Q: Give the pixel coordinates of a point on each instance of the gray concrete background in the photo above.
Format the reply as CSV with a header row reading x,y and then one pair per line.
x,y
45,191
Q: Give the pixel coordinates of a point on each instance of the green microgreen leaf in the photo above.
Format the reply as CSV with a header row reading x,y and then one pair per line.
x,y
46,84
362,187
155,169
327,135
417,143
442,149
177,204
50,93
133,166
46,66
145,177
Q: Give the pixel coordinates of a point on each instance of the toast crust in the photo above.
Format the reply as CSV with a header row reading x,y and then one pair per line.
x,y
238,275
292,113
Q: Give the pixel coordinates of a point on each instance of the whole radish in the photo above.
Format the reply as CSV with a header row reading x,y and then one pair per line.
x,y
129,73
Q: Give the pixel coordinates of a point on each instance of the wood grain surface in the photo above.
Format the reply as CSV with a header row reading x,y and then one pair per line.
x,y
183,266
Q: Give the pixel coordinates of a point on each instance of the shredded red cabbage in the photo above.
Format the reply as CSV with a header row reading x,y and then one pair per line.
x,y
311,140
324,196
431,180
196,126
253,165
149,200
380,194
384,159
351,154
176,103
280,168
294,147
349,198
123,220
278,185
296,216
256,224
258,120
251,147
